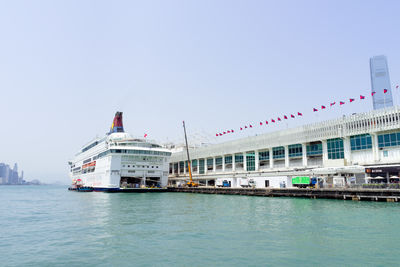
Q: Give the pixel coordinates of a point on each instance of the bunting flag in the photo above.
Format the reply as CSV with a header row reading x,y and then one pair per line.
x,y
145,135
286,117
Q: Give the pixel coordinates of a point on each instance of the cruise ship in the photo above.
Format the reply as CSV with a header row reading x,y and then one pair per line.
x,y
118,161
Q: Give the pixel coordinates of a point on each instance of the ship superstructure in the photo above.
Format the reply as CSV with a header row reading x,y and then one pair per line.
x,y
119,161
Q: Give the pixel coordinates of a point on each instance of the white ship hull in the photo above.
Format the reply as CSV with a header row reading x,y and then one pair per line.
x,y
118,162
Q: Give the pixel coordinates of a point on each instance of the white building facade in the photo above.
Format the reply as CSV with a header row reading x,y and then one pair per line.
x,y
357,149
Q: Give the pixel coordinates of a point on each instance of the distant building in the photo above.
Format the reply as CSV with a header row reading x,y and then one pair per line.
x,y
10,176
380,81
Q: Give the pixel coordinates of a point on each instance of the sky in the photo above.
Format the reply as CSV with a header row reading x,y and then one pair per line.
x,y
66,67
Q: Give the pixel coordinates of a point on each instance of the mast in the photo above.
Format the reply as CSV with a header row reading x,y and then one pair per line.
x,y
187,151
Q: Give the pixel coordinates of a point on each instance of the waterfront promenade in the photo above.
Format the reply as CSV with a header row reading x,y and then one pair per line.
x,y
355,194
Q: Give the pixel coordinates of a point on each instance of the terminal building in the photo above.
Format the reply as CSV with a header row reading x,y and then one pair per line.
x,y
356,149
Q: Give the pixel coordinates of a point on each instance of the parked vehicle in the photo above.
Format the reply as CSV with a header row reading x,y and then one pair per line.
x,y
304,181
225,183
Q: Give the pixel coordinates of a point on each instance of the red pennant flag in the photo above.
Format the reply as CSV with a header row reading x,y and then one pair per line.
x,y
372,94
251,126
145,135
260,123
279,119
292,115
351,100
266,122
333,103
220,134
285,117
245,127
216,134
232,131
273,120
341,103
241,128
397,87
299,114
224,132
362,97
323,107
385,91
229,131
314,109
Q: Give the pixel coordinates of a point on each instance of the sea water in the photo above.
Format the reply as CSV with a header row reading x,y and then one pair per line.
x,y
51,226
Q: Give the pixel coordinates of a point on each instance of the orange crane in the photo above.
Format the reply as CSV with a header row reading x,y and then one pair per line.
x,y
190,183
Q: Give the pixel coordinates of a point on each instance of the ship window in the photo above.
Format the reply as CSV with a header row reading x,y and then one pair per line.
x,y
129,166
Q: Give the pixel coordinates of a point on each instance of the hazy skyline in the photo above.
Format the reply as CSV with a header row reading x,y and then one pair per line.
x,y
66,67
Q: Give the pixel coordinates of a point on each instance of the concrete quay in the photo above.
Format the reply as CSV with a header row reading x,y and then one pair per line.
x,y
355,194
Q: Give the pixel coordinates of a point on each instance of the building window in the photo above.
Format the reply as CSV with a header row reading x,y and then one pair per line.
x,y
278,152
239,158
385,140
250,161
228,159
361,142
335,148
201,166
314,149
176,167
181,166
218,163
194,165
263,155
295,151
210,164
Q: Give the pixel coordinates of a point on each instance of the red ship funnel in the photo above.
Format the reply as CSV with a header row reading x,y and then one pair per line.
x,y
117,126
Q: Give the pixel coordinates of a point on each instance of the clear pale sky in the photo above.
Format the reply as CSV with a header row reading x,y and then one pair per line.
x,y
67,66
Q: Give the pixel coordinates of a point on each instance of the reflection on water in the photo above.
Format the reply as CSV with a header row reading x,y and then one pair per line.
x,y
50,225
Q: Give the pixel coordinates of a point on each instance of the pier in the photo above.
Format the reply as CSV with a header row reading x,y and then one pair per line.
x,y
355,194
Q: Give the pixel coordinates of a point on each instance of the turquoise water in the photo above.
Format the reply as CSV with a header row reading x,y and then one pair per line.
x,y
50,226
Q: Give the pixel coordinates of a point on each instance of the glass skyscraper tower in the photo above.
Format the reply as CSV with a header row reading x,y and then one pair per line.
x,y
379,82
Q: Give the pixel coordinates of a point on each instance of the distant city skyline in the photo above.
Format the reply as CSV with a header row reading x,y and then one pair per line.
x,y
10,175
67,67
380,82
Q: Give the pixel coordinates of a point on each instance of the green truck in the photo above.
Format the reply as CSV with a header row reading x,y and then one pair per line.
x,y
303,181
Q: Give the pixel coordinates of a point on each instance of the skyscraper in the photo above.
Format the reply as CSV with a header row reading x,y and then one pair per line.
x,y
380,82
